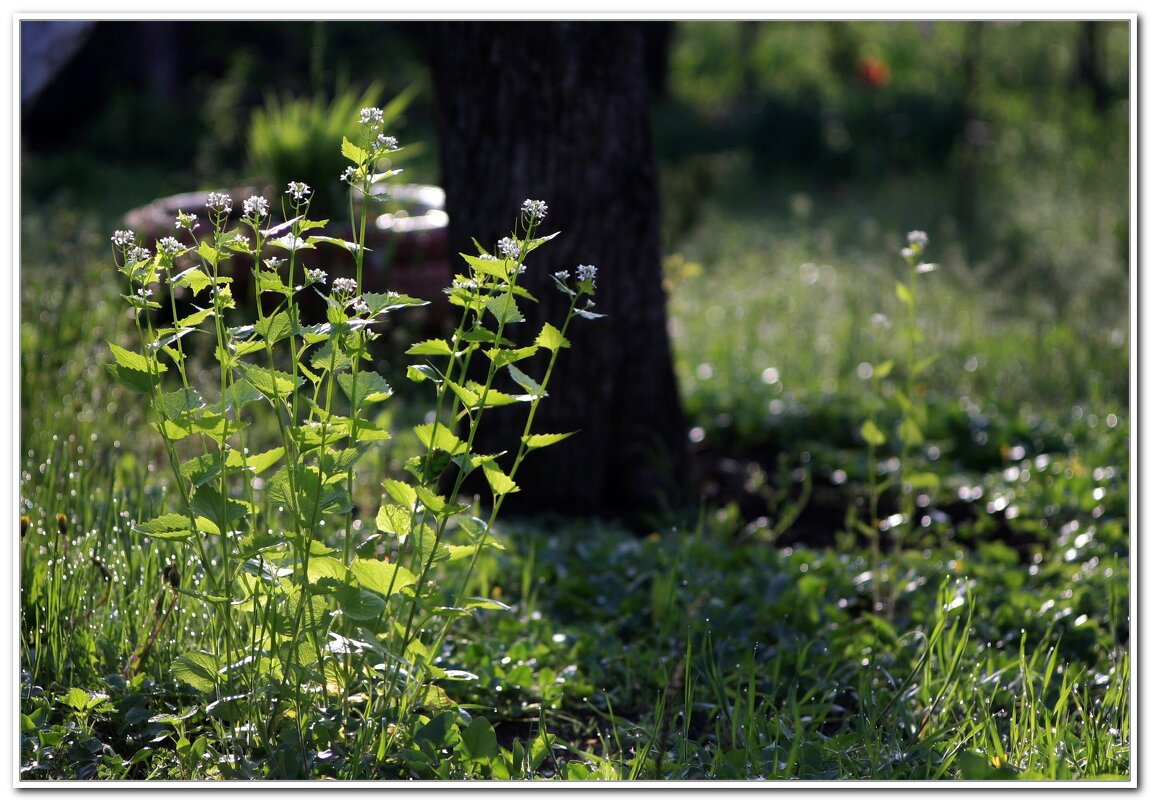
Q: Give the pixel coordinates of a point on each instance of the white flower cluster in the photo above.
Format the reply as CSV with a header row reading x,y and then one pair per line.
x,y
586,272
372,117
298,191
136,255
256,207
344,287
220,202
918,238
170,246
509,248
123,239
534,209
316,276
186,220
387,144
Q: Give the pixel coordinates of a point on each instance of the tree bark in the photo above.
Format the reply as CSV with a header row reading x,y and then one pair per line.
x,y
557,111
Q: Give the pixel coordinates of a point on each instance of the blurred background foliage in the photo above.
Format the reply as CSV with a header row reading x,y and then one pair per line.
x,y
793,157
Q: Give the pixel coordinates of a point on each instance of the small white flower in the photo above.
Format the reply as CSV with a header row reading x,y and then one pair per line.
x,y
907,253
298,191
386,143
918,238
562,275
220,202
456,283
186,220
344,287
274,263
487,257
240,239
371,116
137,254
534,209
316,276
359,306
509,248
349,174
256,207
144,292
123,238
880,321
586,272
170,246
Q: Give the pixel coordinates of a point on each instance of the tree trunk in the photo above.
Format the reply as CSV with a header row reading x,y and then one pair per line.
x,y
557,111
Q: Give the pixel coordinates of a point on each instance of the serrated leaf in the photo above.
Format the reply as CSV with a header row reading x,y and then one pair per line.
x,y
503,357
400,492
527,382
871,434
533,441
181,402
383,304
487,603
325,567
360,605
500,482
364,387
353,152
135,361
350,247
430,347
193,319
272,384
394,519
504,309
437,436
419,373
384,578
198,670
270,281
497,268
194,279
551,338
274,328
167,524
208,253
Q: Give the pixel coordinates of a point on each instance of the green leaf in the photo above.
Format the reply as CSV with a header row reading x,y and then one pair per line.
x,y
504,309
208,253
394,519
194,279
369,387
430,347
325,567
223,512
277,327
910,433
533,441
272,384
496,268
903,293
270,281
354,153
350,247
438,436
135,361
257,462
551,338
359,605
871,434
500,482
384,578
469,397
198,670
883,370
181,403
383,304
479,741
527,382
400,492
167,527
487,603
503,357
193,319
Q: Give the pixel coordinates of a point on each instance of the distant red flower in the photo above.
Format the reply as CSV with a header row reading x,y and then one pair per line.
x,y
874,71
